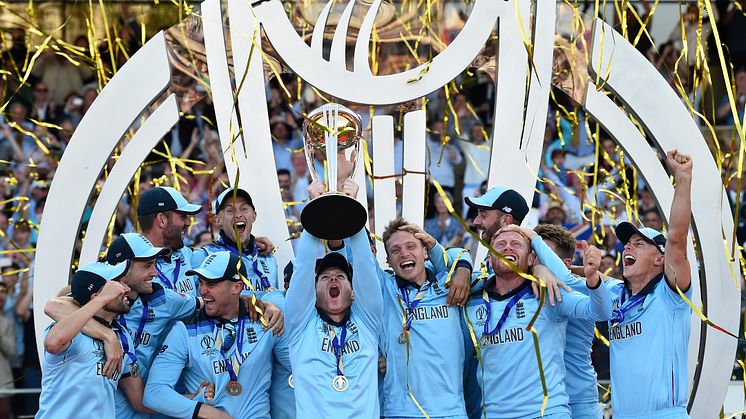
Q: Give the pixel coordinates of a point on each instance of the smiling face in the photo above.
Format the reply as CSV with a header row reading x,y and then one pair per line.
x,y
514,247
641,259
489,221
407,255
139,277
333,292
176,225
221,298
236,216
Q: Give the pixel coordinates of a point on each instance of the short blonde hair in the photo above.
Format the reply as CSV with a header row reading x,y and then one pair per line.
x,y
510,228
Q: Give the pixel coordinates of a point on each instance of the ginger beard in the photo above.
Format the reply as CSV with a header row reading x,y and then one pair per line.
x,y
334,293
514,247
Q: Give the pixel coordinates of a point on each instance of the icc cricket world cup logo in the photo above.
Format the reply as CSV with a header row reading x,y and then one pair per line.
x,y
225,47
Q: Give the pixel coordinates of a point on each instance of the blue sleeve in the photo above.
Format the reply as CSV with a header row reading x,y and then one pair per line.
x,y
180,306
301,296
366,281
441,259
282,351
198,255
596,306
277,298
548,258
671,296
159,393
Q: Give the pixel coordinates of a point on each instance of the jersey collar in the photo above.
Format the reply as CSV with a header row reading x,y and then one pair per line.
x,y
401,283
228,241
647,289
327,319
499,297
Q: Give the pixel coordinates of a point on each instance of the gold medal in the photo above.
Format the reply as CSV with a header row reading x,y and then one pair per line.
x,y
340,383
134,370
290,381
233,388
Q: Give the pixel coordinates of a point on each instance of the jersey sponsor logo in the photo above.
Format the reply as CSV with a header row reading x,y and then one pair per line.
x,y
98,349
251,335
437,289
151,316
625,331
351,346
163,348
520,310
219,366
207,343
511,335
430,313
481,315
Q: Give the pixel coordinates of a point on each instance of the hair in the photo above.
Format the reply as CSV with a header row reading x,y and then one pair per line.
x,y
562,238
509,228
283,172
392,228
146,222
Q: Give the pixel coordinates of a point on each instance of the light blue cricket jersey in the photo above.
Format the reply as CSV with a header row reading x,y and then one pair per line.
x,y
73,380
172,272
580,380
262,270
436,357
192,351
509,375
311,349
148,330
649,353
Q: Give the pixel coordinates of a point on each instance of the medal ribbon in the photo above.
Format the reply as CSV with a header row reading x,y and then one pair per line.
x,y
254,256
412,305
506,311
617,315
338,346
165,279
125,345
140,327
237,336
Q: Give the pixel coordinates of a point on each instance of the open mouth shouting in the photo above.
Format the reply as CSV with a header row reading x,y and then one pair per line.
x,y
334,290
511,258
407,265
240,226
629,260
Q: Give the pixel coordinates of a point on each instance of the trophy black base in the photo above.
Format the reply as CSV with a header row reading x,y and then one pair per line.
x,y
333,217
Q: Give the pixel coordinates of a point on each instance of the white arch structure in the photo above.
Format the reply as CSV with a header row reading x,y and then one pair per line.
x,y
521,107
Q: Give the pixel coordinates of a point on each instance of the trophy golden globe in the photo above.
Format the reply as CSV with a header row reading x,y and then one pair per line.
x,y
332,134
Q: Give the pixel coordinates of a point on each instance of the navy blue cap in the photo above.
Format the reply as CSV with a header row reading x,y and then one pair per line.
x,y
133,246
287,273
503,199
162,199
625,230
218,204
333,260
220,266
90,278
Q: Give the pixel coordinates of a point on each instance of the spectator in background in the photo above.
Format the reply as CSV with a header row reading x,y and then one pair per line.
x,y
202,238
442,226
724,112
7,350
43,109
734,23
292,214
62,76
283,144
441,158
477,152
652,219
301,178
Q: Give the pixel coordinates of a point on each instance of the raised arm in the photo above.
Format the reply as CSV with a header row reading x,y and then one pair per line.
x,y
678,272
301,296
368,297
63,332
60,308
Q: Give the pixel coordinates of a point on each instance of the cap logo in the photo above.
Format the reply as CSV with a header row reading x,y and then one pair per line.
x,y
161,204
90,287
236,276
119,254
507,209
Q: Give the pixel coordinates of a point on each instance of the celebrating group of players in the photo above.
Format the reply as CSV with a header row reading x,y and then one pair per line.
x,y
160,329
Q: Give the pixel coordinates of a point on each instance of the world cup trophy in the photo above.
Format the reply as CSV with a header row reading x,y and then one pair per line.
x,y
334,132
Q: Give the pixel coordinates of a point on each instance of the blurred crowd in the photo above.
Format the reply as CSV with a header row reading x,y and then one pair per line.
x,y
585,182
